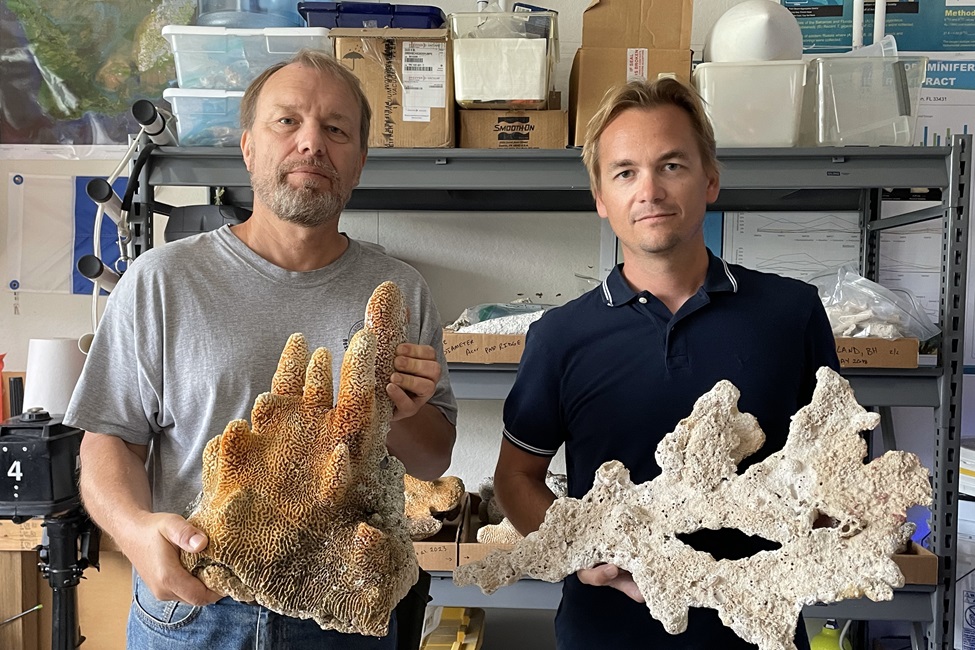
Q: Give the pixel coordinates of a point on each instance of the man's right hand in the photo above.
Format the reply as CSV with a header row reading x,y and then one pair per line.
x,y
610,575
156,559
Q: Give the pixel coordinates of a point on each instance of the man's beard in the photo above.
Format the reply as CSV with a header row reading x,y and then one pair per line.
x,y
305,205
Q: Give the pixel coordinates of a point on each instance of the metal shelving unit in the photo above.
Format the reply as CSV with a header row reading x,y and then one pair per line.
x,y
752,179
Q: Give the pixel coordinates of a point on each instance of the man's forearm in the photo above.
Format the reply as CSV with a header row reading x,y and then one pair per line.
x,y
423,442
114,484
524,500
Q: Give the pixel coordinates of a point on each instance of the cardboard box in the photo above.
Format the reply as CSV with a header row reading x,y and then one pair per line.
x,y
483,348
482,129
407,75
596,70
662,24
439,553
919,565
470,550
877,353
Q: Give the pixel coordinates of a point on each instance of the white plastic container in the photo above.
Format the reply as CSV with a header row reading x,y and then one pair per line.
x,y
221,58
753,104
502,59
206,117
866,101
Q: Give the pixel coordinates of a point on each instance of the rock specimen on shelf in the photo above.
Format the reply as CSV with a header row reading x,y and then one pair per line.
x,y
820,471
425,499
499,530
500,533
305,511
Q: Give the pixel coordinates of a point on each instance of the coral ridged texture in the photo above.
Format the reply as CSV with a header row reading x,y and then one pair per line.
x,y
820,471
304,508
424,499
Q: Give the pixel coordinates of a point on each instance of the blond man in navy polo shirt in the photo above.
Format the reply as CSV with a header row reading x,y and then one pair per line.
x,y
610,373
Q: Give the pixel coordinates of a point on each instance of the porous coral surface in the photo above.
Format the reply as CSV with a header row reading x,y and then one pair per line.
x,y
820,471
304,508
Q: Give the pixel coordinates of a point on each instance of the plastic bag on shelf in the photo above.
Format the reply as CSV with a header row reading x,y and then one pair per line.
x,y
858,307
492,310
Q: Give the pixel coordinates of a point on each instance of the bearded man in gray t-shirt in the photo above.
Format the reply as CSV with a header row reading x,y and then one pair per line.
x,y
185,346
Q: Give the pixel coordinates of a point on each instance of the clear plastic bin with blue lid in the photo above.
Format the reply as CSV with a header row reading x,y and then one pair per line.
x,y
371,14
206,117
223,58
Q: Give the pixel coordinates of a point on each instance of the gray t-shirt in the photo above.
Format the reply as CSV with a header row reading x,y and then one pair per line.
x,y
193,332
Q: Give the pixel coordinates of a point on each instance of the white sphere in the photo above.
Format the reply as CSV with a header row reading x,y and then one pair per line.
x,y
754,30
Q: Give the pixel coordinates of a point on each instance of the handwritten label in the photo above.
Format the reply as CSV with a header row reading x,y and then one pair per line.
x,y
433,549
20,537
483,348
877,353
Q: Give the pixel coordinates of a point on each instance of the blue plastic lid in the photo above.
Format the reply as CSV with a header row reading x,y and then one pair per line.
x,y
371,14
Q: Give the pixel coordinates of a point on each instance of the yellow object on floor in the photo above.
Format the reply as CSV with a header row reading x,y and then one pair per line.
x,y
461,628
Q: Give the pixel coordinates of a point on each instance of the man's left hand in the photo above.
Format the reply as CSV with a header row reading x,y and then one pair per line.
x,y
415,379
610,575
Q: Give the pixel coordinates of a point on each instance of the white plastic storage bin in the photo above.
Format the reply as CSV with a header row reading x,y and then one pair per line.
x,y
221,58
502,59
205,117
753,104
863,100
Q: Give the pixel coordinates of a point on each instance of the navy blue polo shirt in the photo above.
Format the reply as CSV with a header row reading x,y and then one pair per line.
x,y
613,371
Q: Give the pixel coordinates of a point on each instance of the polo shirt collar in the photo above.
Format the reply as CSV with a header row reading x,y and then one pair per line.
x,y
616,291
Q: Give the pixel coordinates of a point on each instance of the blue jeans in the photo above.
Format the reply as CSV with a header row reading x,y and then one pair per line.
x,y
231,625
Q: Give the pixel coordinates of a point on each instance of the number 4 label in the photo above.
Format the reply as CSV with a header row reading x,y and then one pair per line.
x,y
14,471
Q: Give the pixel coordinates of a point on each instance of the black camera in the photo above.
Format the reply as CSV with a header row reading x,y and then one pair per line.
x,y
39,464
39,470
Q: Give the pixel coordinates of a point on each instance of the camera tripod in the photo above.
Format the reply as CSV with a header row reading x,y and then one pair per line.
x,y
70,546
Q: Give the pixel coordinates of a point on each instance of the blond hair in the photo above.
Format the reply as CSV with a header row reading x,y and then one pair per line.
x,y
646,95
324,63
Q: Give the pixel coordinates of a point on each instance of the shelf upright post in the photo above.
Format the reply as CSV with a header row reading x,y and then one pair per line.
x,y
954,268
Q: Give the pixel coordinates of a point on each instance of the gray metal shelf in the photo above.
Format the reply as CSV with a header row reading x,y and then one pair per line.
x,y
880,387
561,169
751,179
910,603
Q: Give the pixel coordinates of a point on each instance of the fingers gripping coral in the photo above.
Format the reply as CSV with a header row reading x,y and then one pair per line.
x,y
304,509
819,471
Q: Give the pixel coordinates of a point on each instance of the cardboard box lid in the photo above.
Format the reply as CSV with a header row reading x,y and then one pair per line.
x,y
638,23
389,32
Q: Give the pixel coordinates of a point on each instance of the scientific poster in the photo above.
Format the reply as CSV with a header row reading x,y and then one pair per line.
x,y
947,106
917,25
